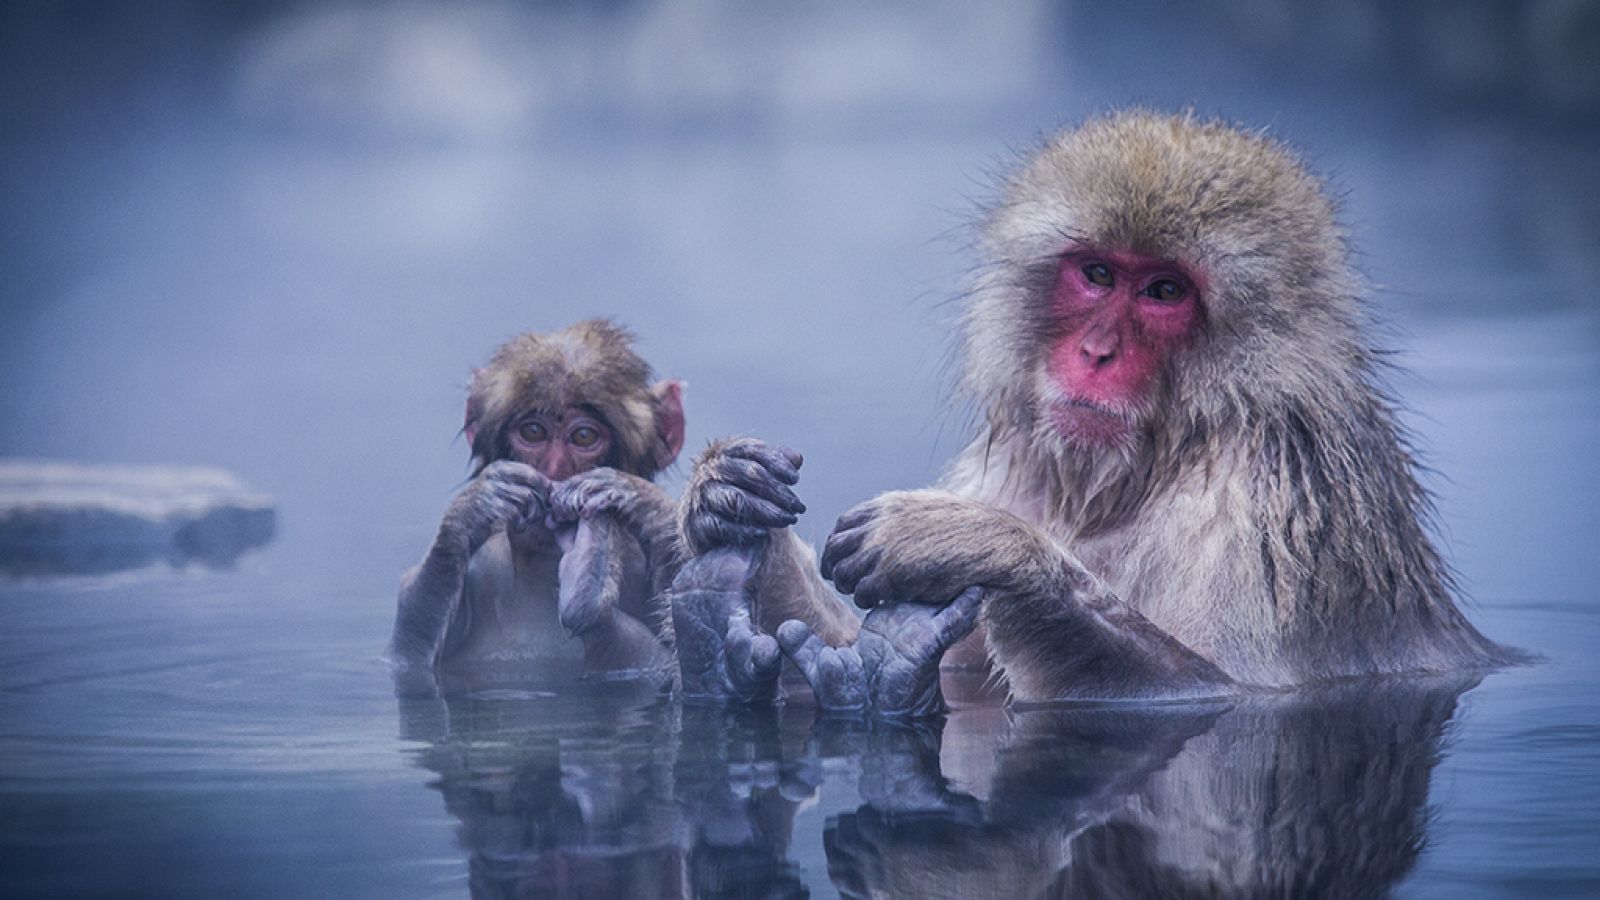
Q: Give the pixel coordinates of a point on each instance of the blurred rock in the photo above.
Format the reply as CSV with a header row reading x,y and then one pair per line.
x,y
60,518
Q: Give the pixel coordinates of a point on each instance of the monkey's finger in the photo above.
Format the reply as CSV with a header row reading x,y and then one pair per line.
x,y
602,499
780,461
714,531
956,620
562,493
510,472
839,546
872,590
564,507
801,646
507,507
768,453
835,674
512,495
753,657
765,658
747,474
744,508
533,515
857,516
756,480
885,585
578,491
736,639
849,571
531,508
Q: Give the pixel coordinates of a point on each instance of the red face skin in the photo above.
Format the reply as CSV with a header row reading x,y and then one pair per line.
x,y
561,445
1121,315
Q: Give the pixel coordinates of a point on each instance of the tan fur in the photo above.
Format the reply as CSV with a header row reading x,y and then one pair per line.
x,y
1267,513
481,596
591,364
1261,526
787,586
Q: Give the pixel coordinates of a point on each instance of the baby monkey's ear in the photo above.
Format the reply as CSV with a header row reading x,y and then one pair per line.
x,y
668,396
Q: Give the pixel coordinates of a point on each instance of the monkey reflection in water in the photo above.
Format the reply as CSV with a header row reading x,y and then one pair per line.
x,y
1189,481
560,532
1319,793
609,793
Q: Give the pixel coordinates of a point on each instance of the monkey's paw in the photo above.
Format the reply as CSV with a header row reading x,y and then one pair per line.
x,y
928,546
596,491
505,493
739,491
721,656
893,667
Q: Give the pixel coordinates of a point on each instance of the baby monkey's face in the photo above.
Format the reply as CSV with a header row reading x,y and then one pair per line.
x,y
561,444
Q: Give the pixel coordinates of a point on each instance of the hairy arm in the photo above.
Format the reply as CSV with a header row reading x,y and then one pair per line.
x,y
1055,630
740,496
744,574
430,594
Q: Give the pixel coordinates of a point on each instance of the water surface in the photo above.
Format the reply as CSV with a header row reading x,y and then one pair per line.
x,y
276,239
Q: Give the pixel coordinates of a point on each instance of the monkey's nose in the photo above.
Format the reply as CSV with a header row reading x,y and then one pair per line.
x,y
1098,350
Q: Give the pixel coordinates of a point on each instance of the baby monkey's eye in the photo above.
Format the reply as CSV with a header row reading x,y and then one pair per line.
x,y
1098,273
584,436
532,431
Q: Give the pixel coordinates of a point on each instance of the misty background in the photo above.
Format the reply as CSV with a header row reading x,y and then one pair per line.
x,y
276,237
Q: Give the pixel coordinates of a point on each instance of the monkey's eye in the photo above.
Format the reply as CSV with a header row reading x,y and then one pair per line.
x,y
584,436
1166,291
533,431
1098,273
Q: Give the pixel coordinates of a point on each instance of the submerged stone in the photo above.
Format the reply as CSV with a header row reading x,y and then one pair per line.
x,y
59,518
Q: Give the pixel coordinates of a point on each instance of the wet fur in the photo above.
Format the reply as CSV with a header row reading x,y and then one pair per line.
x,y
474,578
1261,527
1268,516
786,583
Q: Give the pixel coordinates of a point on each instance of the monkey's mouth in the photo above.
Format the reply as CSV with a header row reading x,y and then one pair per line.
x,y
1090,424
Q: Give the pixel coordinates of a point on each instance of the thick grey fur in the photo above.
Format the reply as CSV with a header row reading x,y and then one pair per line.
x,y
1262,528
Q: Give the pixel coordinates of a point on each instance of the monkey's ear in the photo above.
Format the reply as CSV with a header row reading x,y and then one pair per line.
x,y
669,420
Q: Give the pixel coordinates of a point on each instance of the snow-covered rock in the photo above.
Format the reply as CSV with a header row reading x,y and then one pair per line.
x,y
71,518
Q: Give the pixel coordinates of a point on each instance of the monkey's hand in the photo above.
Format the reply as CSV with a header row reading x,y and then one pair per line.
x,y
929,546
503,493
738,491
603,490
721,656
1055,629
639,505
893,667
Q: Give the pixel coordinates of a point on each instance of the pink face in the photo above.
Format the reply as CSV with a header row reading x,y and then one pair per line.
x,y
560,445
1121,315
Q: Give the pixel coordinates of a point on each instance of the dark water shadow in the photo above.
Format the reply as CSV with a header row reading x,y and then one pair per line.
x,y
606,790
